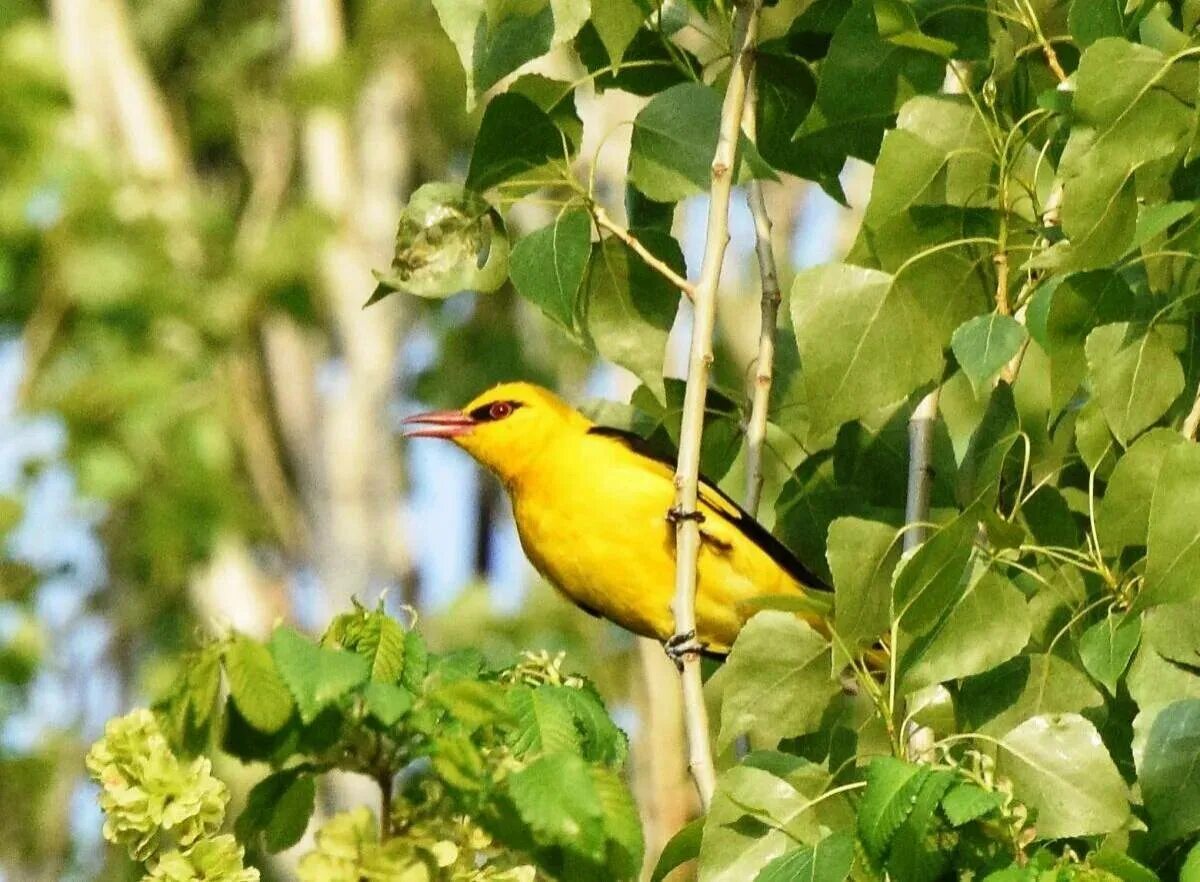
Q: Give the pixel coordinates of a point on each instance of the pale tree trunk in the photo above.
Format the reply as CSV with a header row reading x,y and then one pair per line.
x,y
358,544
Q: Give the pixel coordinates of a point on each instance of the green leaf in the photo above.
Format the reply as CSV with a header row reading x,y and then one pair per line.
x,y
278,809
622,824
862,556
601,740
495,39
617,22
556,797
1123,515
448,240
984,345
757,815
1173,630
1107,646
674,139
864,81
387,703
779,680
515,137
965,802
684,846
989,625
1062,314
629,308
997,701
474,703
255,686
647,69
914,853
938,154
1173,541
548,265
316,676
544,722
864,343
1135,374
786,90
1092,20
892,787
1169,773
1059,767
827,861
934,578
375,636
1128,113
1191,867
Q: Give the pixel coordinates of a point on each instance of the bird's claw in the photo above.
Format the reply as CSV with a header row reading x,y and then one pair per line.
x,y
679,646
675,514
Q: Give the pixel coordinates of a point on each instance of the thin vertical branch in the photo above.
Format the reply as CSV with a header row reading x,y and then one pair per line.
x,y
687,527
920,470
756,429
1191,423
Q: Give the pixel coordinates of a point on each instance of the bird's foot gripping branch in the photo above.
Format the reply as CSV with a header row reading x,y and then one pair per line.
x,y
503,774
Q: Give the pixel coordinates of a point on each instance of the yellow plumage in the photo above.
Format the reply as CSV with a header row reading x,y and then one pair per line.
x,y
590,510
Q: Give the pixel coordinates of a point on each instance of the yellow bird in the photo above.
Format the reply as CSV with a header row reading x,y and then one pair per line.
x,y
591,511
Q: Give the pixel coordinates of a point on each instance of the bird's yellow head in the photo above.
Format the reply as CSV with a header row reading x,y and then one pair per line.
x,y
505,429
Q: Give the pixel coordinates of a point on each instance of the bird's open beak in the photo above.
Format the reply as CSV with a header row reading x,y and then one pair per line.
x,y
437,424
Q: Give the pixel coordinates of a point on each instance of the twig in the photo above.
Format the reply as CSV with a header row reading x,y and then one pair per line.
x,y
655,263
1191,423
687,530
916,516
756,429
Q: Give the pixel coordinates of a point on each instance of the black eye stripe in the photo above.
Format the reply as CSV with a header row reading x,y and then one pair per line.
x,y
484,414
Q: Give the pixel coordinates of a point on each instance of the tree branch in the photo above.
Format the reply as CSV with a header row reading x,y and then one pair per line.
x,y
1191,423
920,469
687,530
756,429
656,264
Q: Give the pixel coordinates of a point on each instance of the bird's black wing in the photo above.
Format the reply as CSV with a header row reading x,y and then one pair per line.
x,y
743,520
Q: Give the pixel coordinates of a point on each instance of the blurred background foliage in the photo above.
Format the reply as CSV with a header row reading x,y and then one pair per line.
x,y
196,417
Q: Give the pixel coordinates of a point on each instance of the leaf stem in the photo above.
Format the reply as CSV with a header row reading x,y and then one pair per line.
x,y
687,529
604,221
756,429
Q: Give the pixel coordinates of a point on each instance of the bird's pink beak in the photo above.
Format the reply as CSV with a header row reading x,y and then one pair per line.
x,y
437,424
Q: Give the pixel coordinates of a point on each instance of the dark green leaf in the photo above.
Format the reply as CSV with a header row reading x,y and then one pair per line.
x,y
548,265
628,310
997,701
1123,516
965,802
1169,772
515,137
684,846
674,139
278,809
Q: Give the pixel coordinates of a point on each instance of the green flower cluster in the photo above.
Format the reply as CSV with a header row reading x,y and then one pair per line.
x,y
218,859
148,792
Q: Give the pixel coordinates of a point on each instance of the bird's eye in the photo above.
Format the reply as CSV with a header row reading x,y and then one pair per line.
x,y
499,410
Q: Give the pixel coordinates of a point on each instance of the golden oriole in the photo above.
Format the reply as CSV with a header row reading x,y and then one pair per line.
x,y
591,511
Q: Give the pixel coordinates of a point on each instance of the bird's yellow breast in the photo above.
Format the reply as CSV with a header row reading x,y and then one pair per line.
x,y
592,519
